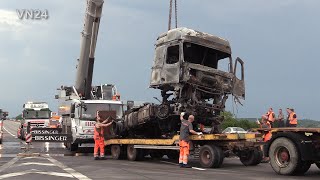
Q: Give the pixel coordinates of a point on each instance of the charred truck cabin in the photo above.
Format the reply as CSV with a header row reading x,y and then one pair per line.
x,y
196,74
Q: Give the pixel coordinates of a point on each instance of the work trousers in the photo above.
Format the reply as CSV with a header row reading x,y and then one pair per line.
x,y
281,124
98,143
184,151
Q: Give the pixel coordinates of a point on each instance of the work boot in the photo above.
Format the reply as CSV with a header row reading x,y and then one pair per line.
x,y
102,158
96,158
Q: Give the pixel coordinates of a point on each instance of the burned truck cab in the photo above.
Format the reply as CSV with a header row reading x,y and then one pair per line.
x,y
196,74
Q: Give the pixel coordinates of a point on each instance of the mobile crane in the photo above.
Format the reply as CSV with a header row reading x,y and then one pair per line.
x,y
79,103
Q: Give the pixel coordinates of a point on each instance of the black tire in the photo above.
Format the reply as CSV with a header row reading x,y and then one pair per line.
x,y
251,158
134,154
173,155
318,165
0,141
74,147
210,156
221,155
156,154
284,156
116,151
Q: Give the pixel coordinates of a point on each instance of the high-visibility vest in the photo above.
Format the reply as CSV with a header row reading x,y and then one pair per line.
x,y
271,116
293,120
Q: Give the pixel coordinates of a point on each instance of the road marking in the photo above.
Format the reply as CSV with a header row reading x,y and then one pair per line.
x,y
36,172
9,132
8,164
71,171
200,169
35,163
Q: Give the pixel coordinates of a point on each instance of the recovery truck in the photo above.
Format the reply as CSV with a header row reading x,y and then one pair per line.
x,y
293,150
78,104
188,71
37,114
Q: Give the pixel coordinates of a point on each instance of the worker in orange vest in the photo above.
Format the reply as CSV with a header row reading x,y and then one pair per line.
x,y
185,129
98,137
293,120
266,137
271,117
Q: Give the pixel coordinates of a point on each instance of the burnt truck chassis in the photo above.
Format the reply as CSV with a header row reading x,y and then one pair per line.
x,y
187,71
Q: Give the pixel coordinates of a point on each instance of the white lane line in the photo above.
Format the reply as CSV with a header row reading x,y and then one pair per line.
x,y
69,170
35,171
8,164
35,163
200,169
33,158
9,132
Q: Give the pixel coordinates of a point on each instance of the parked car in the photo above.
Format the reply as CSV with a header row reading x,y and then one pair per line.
x,y
234,130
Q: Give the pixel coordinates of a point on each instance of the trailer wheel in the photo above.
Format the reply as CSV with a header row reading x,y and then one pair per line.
x,y
210,156
173,155
134,154
284,156
251,158
116,151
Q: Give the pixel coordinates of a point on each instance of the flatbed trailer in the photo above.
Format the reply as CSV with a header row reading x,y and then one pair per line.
x,y
292,150
209,149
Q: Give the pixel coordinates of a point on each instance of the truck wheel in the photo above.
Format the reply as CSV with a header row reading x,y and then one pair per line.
x,y
173,155
284,156
251,158
134,154
74,147
210,156
115,151
156,154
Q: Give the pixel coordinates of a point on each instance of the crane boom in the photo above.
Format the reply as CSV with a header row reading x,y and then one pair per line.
x,y
88,46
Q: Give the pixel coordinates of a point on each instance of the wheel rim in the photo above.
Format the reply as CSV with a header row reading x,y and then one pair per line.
x,y
206,157
282,156
115,150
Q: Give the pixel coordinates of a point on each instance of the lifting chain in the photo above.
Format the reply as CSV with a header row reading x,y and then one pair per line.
x,y
170,13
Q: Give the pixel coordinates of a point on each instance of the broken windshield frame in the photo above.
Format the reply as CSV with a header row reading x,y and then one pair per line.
x,y
205,56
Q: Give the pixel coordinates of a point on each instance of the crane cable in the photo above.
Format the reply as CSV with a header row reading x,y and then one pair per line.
x,y
170,14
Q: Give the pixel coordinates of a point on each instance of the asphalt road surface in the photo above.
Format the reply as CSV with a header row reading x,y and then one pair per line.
x,y
54,161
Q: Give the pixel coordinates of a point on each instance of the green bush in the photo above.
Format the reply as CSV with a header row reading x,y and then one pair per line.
x,y
231,121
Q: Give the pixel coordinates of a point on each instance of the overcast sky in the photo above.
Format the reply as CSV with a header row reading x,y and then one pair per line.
x,y
278,40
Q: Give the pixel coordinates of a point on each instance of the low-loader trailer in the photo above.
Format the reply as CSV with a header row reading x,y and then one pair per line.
x,y
209,149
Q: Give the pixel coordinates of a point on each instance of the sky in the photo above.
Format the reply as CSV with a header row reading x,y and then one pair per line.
x,y
278,40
